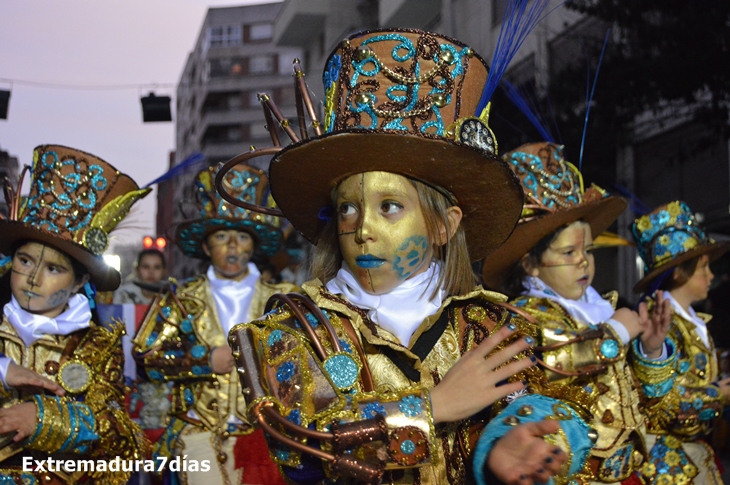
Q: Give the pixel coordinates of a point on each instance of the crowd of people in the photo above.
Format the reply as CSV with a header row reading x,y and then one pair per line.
x,y
395,363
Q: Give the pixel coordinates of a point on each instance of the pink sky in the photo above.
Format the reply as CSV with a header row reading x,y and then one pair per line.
x,y
107,42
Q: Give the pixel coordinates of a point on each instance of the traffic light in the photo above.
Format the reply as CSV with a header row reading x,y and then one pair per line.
x,y
149,242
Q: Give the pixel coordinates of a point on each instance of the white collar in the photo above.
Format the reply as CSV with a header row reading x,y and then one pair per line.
x,y
233,298
30,327
591,309
401,310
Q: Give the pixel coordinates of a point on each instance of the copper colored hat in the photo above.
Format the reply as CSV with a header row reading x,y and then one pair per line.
x,y
76,199
405,102
245,183
667,237
554,197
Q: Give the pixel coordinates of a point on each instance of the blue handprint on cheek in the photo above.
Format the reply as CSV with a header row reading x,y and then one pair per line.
x,y
410,255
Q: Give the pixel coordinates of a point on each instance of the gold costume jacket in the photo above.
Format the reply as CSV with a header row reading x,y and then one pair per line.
x,y
89,422
608,389
679,398
174,343
372,376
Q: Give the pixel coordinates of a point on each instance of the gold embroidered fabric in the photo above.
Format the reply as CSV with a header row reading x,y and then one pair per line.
x,y
99,348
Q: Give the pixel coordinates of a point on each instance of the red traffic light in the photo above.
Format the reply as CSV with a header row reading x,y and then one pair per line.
x,y
147,242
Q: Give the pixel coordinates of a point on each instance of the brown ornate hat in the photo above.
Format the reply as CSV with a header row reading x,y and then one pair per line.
x,y
554,197
406,102
245,183
76,199
667,237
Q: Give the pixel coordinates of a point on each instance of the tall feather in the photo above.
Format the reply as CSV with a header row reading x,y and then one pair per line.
x,y
529,110
194,160
520,19
589,99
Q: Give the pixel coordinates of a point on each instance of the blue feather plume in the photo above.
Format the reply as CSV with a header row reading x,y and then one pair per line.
x,y
520,19
192,161
589,98
530,110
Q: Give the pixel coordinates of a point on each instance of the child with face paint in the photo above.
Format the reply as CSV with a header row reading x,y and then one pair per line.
x,y
547,267
680,391
61,368
386,367
183,337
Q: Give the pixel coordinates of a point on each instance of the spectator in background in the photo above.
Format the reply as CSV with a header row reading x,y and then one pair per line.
x,y
149,269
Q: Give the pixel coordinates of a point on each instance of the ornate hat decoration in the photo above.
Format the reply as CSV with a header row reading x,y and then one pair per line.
x,y
667,237
76,199
408,102
244,183
554,197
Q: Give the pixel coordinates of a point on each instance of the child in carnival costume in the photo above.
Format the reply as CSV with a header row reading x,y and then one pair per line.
x,y
547,267
50,337
679,386
385,368
183,337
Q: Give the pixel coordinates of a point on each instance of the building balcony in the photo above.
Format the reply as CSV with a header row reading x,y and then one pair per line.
x,y
408,13
300,22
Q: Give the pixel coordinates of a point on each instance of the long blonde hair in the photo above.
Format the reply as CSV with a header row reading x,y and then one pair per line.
x,y
456,276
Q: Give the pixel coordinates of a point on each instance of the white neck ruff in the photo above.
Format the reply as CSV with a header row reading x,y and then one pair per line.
x,y
233,298
591,309
401,310
31,327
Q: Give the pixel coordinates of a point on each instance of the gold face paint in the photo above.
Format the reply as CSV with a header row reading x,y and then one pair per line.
x,y
568,266
382,231
230,251
42,279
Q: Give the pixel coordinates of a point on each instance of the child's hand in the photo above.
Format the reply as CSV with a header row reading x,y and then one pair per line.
x,y
20,418
655,325
20,377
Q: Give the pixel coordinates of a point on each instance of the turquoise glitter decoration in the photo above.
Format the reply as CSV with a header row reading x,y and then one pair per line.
x,y
342,369
411,406
274,337
198,351
408,447
373,409
610,349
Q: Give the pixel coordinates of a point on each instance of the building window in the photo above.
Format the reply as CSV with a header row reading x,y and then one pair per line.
x,y
225,67
261,64
224,36
260,32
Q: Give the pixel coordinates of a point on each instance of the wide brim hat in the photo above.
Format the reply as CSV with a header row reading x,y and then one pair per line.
x,y
685,240
246,183
76,199
404,102
546,211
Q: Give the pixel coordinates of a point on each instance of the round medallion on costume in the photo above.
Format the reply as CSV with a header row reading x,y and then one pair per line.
x,y
475,133
609,349
343,370
96,240
75,376
51,367
408,446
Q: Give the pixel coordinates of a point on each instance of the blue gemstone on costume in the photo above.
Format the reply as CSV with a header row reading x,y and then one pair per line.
x,y
559,331
410,406
166,311
342,369
408,447
197,370
274,337
285,371
698,403
232,427
685,406
345,347
295,416
186,326
712,392
707,414
198,352
684,366
701,361
373,409
151,339
610,349
312,320
282,455
588,389
155,375
188,395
